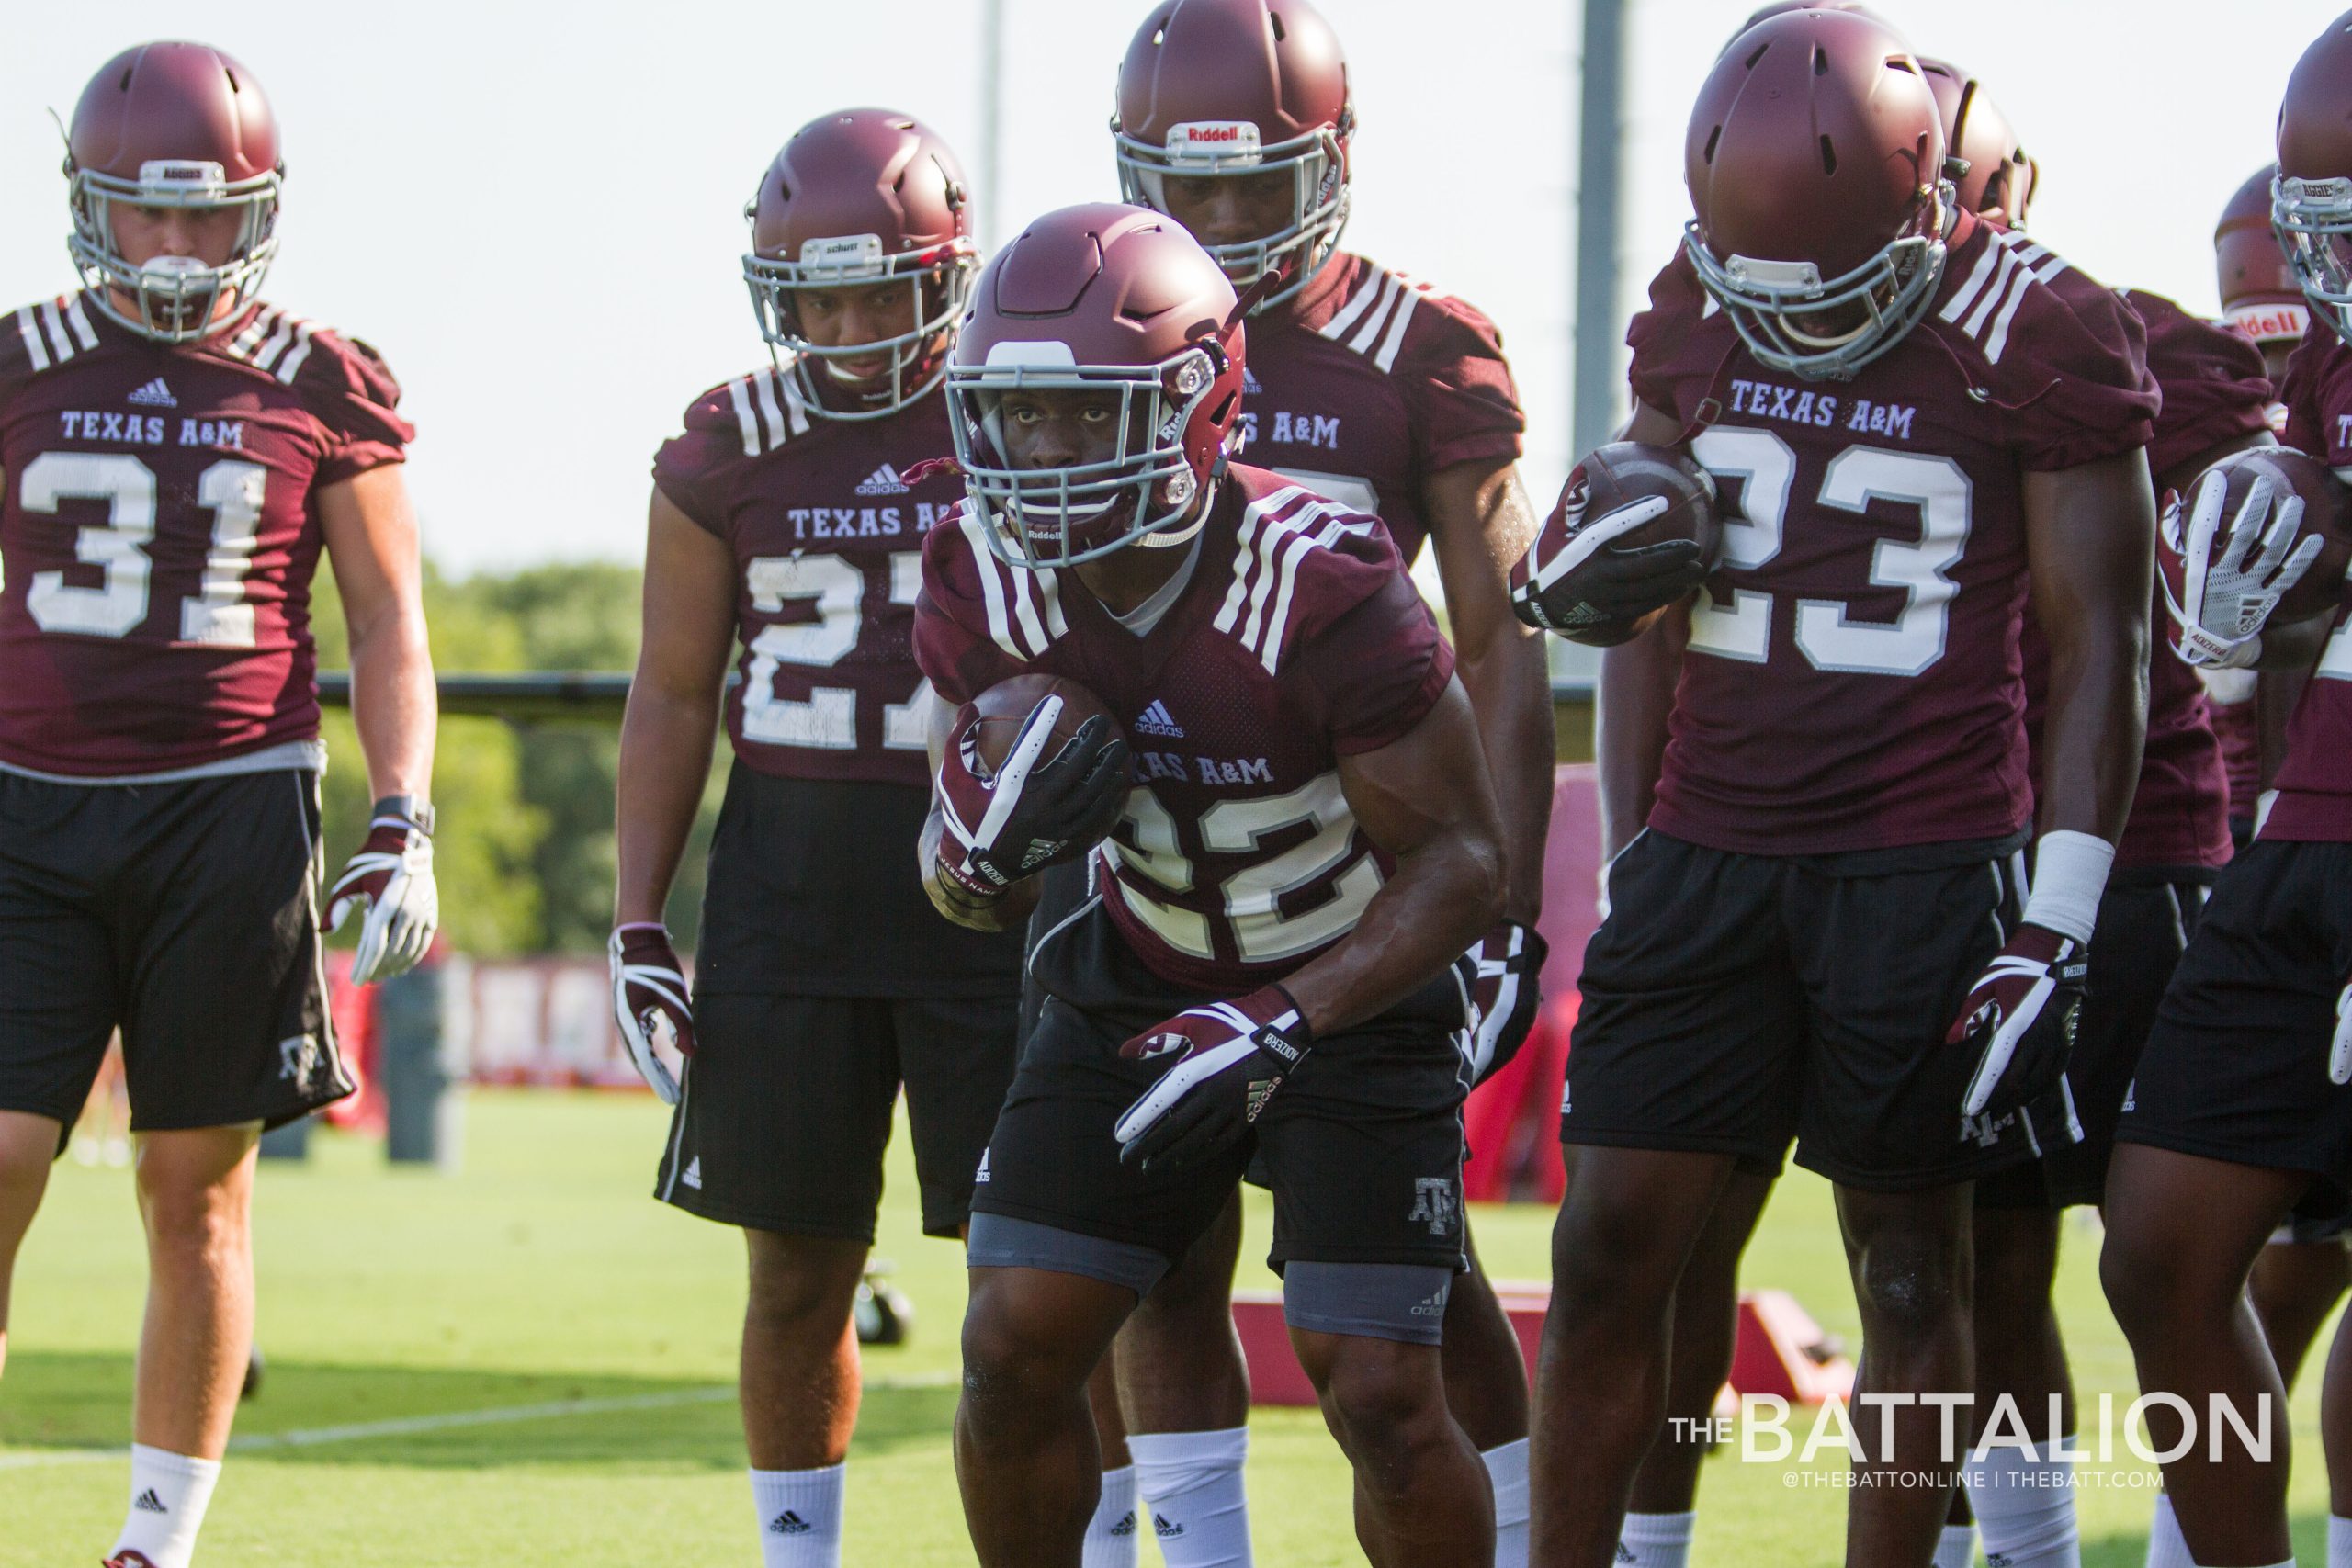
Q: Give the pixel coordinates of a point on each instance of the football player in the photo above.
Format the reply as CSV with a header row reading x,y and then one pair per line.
x,y
1305,844
1235,118
1938,387
785,528
175,454
2239,1107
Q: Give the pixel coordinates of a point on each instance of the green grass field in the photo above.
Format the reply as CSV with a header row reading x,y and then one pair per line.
x,y
531,1362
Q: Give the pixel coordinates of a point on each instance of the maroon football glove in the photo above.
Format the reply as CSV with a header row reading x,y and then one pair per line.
x,y
650,987
390,881
2020,1016
1033,811
1502,975
1225,1060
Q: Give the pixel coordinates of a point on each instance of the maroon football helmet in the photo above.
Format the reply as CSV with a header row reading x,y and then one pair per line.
x,y
2259,294
2312,197
1816,159
1239,88
1092,298
172,125
855,198
1999,177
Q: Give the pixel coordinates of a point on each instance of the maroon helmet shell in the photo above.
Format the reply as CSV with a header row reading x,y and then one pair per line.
x,y
2259,294
2311,202
1239,87
172,125
858,197
1999,178
1763,14
1815,158
1098,297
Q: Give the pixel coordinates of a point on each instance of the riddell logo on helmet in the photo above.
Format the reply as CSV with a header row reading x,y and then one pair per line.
x,y
2269,323
1213,136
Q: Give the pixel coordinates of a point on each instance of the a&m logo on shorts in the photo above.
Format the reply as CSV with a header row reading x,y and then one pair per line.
x,y
1433,1201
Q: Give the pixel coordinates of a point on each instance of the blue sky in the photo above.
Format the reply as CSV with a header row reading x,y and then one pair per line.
x,y
539,228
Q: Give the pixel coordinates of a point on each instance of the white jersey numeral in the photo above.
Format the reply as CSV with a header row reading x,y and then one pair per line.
x,y
828,718
218,614
1253,896
1827,631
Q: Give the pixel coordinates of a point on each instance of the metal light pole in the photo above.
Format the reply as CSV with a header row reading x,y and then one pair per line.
x,y
991,120
1599,157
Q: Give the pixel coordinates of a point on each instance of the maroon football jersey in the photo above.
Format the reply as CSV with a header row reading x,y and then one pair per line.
x,y
2314,782
827,541
160,532
2238,725
2214,391
1856,680
1298,640
1369,383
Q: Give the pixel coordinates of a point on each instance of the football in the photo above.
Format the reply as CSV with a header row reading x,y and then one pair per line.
x,y
1625,472
1004,706
2327,513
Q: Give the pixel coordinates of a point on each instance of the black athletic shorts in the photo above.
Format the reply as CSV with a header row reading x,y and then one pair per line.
x,y
2236,1068
2143,926
1732,1000
785,1110
184,914
1362,1143
824,981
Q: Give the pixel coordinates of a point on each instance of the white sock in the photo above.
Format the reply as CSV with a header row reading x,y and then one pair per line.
x,y
1958,1547
2165,1547
169,1492
1655,1540
2024,1501
800,1516
1190,1481
1507,1468
2339,1542
1111,1534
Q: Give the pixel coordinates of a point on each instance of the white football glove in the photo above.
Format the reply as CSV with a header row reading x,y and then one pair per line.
x,y
2339,1059
2223,601
391,879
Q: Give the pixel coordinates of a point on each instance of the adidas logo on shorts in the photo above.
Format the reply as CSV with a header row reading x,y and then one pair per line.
x,y
1125,1526
155,395
692,1176
983,1175
1157,720
789,1523
883,480
1165,1528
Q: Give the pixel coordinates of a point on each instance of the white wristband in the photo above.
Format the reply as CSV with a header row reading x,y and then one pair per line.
x,y
2069,876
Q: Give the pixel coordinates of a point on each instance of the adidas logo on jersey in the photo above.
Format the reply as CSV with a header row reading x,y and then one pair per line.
x,y
1249,386
1157,720
883,480
148,1503
789,1523
155,395
693,1174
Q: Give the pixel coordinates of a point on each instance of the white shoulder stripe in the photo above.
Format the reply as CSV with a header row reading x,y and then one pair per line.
x,y
301,350
266,356
55,324
1366,298
739,394
1369,333
2009,269
771,417
1998,338
83,334
984,561
1248,553
1965,295
1386,357
28,328
242,346
796,409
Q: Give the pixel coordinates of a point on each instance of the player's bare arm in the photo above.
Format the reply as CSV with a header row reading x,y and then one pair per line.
x,y
1424,799
1481,521
671,721
370,532
1634,694
2089,533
